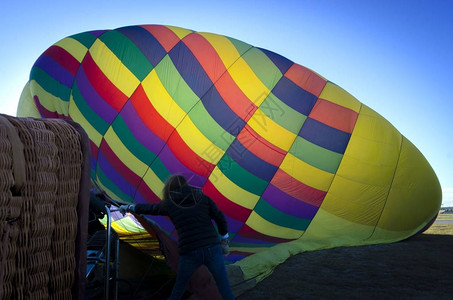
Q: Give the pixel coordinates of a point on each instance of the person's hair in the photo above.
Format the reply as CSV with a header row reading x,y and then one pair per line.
x,y
172,183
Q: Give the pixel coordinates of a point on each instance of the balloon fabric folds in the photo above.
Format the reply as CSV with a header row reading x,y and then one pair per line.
x,y
295,162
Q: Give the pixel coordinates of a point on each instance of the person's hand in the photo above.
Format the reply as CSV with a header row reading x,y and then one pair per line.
x,y
126,208
225,244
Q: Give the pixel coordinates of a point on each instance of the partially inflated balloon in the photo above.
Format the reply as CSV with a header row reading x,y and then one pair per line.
x,y
286,154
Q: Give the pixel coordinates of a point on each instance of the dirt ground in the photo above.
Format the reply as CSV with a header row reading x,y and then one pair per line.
x,y
417,268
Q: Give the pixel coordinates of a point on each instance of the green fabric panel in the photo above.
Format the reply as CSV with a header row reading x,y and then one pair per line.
x,y
240,176
209,127
250,245
263,67
271,214
160,169
240,46
105,180
175,85
131,143
93,118
49,84
85,38
282,114
128,53
315,155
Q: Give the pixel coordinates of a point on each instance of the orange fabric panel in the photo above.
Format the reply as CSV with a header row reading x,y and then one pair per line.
x,y
260,146
334,115
306,79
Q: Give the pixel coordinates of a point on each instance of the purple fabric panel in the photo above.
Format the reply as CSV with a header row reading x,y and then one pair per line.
x,y
240,239
233,225
55,70
93,99
288,204
142,133
176,167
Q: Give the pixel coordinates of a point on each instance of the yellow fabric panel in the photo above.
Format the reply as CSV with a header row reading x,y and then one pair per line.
x,y
261,264
78,117
372,152
354,201
231,191
48,100
123,153
223,46
161,100
388,236
247,249
124,229
198,142
113,68
360,188
73,47
180,32
332,230
306,173
271,131
248,82
153,182
256,222
337,95
415,196
26,106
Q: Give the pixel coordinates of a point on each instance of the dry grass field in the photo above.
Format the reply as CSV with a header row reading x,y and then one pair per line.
x,y
418,268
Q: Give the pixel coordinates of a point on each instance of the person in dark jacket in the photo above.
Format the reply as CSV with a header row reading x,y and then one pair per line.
x,y
192,212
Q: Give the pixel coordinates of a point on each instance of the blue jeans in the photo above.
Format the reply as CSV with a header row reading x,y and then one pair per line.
x,y
212,258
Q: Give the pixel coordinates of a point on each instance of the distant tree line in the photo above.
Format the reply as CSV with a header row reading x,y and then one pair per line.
x,y
447,210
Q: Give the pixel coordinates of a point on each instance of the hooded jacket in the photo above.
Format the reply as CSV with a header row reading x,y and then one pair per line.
x,y
192,213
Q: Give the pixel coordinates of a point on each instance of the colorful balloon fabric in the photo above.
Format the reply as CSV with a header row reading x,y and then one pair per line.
x,y
285,153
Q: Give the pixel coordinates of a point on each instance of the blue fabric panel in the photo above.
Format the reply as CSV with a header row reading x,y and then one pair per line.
x,y
221,112
145,41
190,69
325,136
282,63
294,96
251,162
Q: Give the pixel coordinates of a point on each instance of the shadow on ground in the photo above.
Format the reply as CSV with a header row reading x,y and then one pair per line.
x,y
418,268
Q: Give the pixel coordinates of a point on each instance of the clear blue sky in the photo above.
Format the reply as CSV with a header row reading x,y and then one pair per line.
x,y
394,56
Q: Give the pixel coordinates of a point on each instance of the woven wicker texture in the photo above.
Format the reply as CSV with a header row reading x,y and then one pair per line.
x,y
38,223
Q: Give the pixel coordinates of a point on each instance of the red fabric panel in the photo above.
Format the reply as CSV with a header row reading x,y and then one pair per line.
x,y
248,232
94,150
63,58
230,208
45,113
334,115
297,189
206,55
306,79
166,37
149,116
147,193
187,157
103,86
260,146
118,165
234,97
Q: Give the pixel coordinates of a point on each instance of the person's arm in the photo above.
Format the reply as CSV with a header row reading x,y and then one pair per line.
x,y
144,209
222,225
219,218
